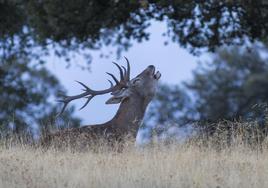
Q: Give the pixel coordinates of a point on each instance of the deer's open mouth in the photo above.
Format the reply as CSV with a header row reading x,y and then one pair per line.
x,y
157,75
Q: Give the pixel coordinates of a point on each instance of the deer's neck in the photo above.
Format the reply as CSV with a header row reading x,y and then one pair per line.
x,y
130,115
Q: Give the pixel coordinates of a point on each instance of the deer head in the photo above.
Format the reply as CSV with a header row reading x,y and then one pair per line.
x,y
142,86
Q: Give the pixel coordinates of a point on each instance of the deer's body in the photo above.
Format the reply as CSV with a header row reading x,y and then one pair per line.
x,y
125,123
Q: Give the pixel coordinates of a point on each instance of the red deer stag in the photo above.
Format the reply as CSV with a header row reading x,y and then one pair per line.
x,y
133,95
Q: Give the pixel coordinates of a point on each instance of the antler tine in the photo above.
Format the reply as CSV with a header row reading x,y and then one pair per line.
x,y
86,88
114,78
125,71
88,100
65,101
111,83
120,70
128,70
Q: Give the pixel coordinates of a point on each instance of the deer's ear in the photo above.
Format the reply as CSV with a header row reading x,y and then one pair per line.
x,y
114,100
118,97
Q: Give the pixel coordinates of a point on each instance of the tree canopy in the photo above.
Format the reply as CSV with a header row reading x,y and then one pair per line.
x,y
27,92
232,86
171,105
74,24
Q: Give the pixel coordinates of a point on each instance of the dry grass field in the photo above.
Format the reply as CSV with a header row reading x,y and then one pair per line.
x,y
183,166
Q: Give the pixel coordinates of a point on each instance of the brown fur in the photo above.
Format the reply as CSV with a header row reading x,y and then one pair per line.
x,y
124,124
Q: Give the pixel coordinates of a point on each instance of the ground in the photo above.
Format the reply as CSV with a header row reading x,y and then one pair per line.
x,y
187,165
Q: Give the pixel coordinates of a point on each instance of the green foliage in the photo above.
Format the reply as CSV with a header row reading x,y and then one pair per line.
x,y
170,106
26,93
80,24
232,86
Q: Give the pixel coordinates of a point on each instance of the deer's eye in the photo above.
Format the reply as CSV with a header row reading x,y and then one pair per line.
x,y
136,81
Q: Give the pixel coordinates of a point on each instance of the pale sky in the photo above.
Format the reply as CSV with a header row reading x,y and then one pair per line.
x,y
174,63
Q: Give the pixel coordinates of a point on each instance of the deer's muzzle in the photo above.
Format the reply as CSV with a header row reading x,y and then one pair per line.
x,y
156,75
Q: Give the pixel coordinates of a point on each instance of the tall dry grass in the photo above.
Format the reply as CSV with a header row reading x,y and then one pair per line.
x,y
189,165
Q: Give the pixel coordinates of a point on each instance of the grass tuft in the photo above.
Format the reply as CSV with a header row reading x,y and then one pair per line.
x,y
217,161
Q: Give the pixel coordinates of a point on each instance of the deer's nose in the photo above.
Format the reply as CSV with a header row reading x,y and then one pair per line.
x,y
151,67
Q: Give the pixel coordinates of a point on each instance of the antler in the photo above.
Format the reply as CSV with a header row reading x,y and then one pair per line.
x,y
90,94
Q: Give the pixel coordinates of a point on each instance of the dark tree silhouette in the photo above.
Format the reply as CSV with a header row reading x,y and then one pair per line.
x,y
26,93
74,24
232,86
